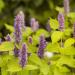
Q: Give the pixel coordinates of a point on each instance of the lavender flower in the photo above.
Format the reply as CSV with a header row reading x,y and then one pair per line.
x,y
30,40
18,27
61,21
42,46
48,25
34,24
23,56
8,38
0,40
74,30
66,7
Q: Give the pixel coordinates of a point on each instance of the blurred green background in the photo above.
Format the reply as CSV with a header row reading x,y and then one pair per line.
x,y
39,9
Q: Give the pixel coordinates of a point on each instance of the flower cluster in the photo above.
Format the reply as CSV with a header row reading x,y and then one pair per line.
x,y
42,46
61,21
23,55
34,24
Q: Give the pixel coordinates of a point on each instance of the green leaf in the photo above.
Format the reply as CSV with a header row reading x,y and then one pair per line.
x,y
68,31
67,51
35,59
35,39
42,31
66,60
71,15
63,69
44,68
1,5
32,48
9,27
54,23
27,32
56,36
31,67
6,46
52,47
13,65
57,72
69,42
59,9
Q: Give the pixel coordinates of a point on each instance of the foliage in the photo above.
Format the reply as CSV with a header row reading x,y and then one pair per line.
x,y
61,44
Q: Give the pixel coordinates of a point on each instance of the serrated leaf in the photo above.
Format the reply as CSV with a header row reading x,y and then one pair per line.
x,y
69,42
68,31
35,59
27,32
67,61
6,46
71,15
44,68
56,36
31,67
59,9
42,31
67,51
54,23
52,47
14,66
9,27
57,72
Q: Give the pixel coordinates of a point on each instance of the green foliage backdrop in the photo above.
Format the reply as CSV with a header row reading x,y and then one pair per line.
x,y
40,9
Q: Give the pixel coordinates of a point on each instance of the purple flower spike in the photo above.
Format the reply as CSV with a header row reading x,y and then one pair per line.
x,y
0,40
30,40
8,38
74,30
23,56
61,21
34,24
48,25
42,46
18,28
66,7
